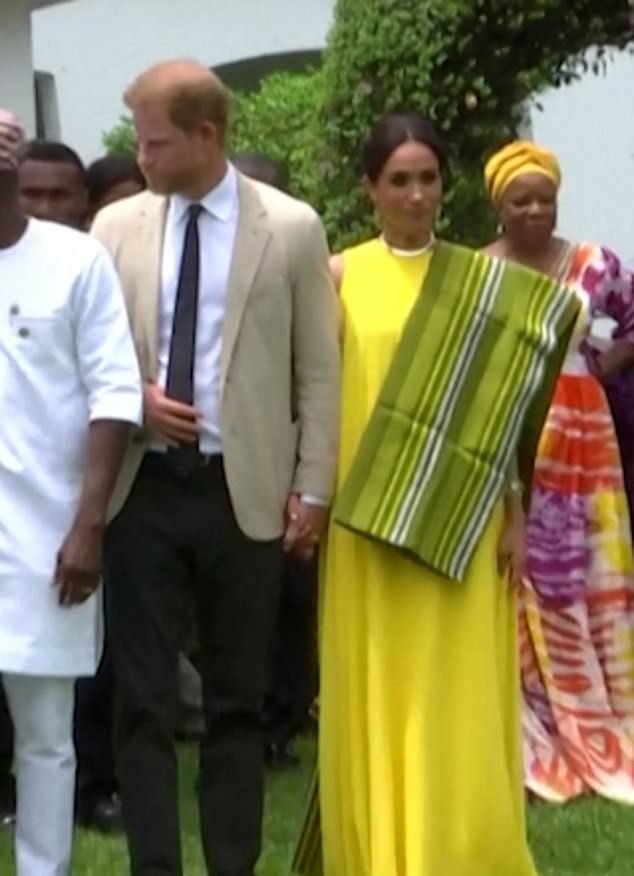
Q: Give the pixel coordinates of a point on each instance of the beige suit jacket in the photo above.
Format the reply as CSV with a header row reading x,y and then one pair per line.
x,y
280,370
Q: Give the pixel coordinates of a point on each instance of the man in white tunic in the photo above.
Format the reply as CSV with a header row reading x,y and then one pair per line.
x,y
69,394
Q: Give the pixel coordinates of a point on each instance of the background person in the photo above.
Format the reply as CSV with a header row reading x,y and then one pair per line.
x,y
576,611
53,183
110,179
294,683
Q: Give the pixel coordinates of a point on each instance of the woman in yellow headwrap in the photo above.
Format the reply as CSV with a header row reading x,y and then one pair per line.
x,y
577,606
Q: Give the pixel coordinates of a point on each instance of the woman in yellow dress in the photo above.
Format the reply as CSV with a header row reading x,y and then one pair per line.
x,y
420,769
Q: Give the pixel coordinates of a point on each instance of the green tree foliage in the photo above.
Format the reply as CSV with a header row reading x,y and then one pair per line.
x,y
473,66
279,121
470,65
121,139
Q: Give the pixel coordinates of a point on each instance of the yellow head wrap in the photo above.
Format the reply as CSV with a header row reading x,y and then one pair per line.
x,y
515,160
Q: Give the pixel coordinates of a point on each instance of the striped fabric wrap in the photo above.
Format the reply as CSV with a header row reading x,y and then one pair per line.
x,y
467,390
308,858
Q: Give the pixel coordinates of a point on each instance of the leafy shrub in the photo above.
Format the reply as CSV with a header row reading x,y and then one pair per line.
x,y
472,66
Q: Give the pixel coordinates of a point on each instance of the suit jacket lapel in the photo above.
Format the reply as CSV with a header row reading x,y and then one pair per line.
x,y
150,233
251,238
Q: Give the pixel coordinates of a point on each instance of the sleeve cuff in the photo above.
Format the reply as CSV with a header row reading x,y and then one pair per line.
x,y
127,408
309,499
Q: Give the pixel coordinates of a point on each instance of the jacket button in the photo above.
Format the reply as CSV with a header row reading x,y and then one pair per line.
x,y
24,332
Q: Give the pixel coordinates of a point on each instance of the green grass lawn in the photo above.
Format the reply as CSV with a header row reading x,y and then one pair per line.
x,y
588,838
591,838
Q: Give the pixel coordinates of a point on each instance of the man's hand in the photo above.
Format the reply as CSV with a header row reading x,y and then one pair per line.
x,y
79,564
305,524
11,139
174,421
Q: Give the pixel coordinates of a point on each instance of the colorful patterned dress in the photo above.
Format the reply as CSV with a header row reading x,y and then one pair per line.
x,y
577,606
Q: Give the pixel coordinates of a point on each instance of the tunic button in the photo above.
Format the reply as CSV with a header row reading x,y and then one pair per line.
x,y
23,332
14,310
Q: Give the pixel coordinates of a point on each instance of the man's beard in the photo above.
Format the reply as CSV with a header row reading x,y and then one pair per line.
x,y
168,183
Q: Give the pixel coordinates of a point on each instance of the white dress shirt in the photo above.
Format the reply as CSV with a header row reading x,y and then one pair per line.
x,y
217,226
66,358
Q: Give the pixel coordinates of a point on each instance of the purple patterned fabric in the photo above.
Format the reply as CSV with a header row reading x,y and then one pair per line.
x,y
620,392
578,534
557,544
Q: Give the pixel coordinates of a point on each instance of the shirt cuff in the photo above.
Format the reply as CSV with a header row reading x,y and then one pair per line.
x,y
127,408
307,499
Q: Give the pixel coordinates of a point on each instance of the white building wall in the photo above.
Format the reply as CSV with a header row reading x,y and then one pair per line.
x,y
16,77
95,47
590,125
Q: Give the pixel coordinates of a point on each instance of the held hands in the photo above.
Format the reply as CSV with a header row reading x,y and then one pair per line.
x,y
173,421
305,524
512,547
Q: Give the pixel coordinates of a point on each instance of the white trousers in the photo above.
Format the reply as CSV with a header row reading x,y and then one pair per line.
x,y
44,762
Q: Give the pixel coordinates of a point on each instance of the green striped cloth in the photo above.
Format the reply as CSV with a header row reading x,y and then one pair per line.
x,y
468,387
307,858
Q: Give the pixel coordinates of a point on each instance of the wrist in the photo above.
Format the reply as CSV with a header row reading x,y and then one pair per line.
x,y
92,520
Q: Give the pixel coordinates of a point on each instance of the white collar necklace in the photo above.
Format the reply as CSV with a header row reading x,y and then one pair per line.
x,y
409,253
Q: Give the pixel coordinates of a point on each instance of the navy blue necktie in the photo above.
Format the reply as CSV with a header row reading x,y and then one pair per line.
x,y
180,370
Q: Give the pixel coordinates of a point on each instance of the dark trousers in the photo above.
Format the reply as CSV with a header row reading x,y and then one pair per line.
x,y
177,539
94,734
294,684
7,784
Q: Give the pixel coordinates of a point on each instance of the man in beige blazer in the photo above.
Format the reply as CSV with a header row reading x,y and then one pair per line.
x,y
236,325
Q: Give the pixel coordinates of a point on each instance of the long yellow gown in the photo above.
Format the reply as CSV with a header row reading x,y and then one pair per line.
x,y
420,758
